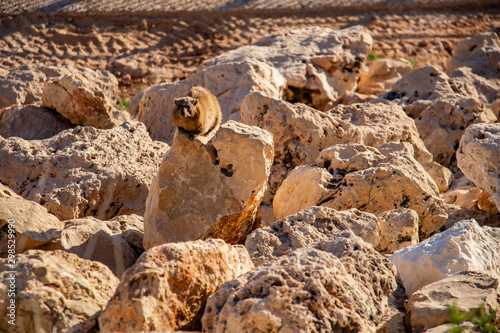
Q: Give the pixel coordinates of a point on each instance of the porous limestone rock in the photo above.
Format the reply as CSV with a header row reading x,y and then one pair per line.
x,y
465,246
230,83
78,100
478,157
319,64
307,227
209,190
441,107
428,307
166,290
103,241
32,224
398,229
55,290
24,85
366,179
311,181
475,62
84,171
379,75
31,122
308,290
300,133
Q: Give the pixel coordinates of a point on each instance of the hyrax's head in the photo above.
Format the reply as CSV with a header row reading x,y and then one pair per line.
x,y
185,106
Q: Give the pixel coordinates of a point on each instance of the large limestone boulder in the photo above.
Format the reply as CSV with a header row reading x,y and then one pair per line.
x,y
84,171
475,62
372,180
166,290
464,247
112,243
300,133
307,227
429,306
230,83
24,85
341,285
379,75
319,64
78,100
478,157
209,190
31,122
441,107
28,222
54,291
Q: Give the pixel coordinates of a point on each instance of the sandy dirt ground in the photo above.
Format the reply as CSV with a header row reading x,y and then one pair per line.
x,y
148,42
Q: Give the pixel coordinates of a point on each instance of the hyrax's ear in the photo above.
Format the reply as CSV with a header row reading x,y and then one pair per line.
x,y
195,101
176,101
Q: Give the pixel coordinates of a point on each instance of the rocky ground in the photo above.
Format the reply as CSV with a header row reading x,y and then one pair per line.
x,y
354,184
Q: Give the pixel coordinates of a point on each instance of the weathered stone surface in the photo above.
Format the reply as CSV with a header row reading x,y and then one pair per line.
x,y
379,75
479,158
465,246
428,307
398,229
84,171
167,288
55,290
306,227
103,241
366,179
209,190
312,184
466,194
78,100
441,107
32,224
319,64
308,290
31,122
230,83
475,62
24,85
300,133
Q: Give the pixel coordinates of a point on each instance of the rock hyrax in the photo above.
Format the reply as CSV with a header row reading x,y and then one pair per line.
x,y
198,114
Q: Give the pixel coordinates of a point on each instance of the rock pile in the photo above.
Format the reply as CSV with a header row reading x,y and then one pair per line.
x,y
360,190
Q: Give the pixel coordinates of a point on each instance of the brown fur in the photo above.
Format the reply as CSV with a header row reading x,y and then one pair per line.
x,y
197,114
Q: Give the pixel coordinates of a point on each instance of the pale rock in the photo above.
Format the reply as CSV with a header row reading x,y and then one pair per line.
x,y
380,123
78,100
211,190
428,307
24,85
441,107
32,224
230,83
466,194
319,64
366,179
341,285
475,62
478,157
379,75
31,122
166,290
465,246
465,326
312,184
307,227
55,290
103,241
398,229
84,171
